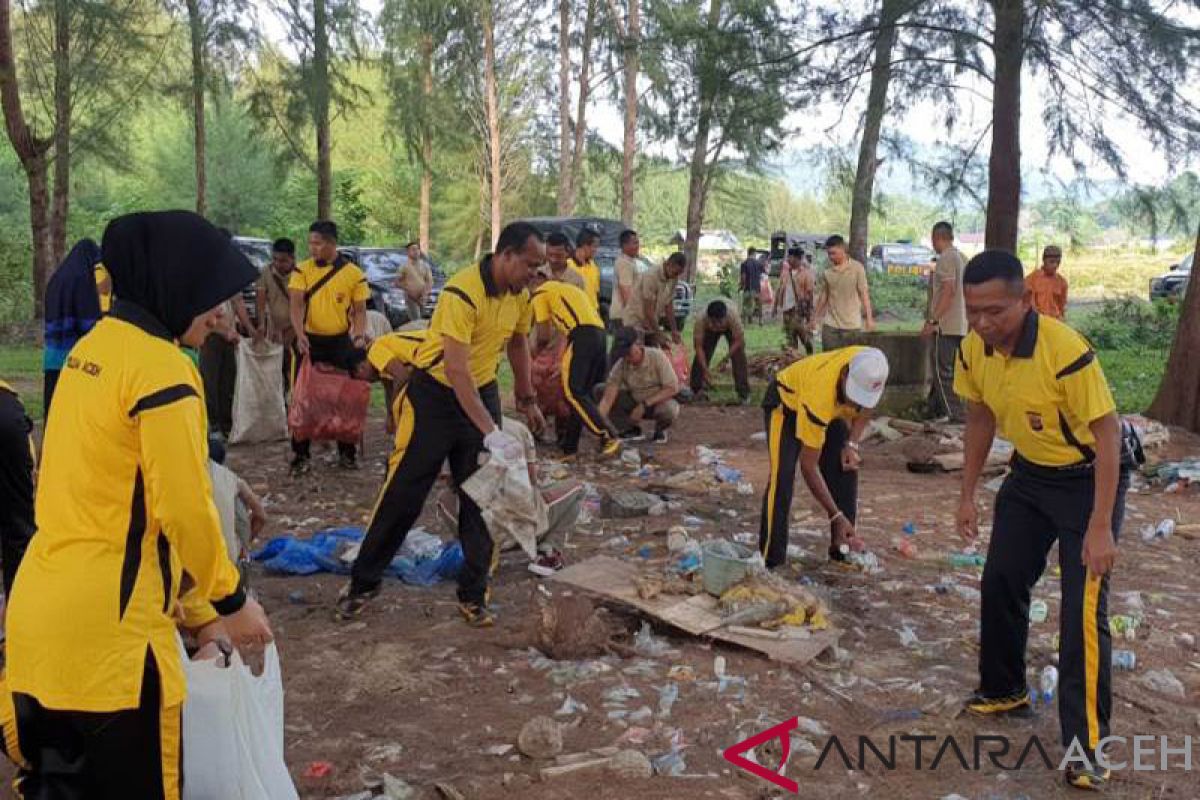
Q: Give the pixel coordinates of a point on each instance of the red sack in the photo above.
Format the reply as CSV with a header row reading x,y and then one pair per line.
x,y
679,362
547,382
328,405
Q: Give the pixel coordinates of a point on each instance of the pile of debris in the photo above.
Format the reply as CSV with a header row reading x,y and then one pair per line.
x,y
765,365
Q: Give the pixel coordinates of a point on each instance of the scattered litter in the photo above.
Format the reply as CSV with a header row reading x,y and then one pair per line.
x,y
667,696
617,695
1038,611
1163,530
334,550
1048,684
728,474
758,436
1124,660
318,769
682,672
645,643
964,560
571,706
811,726
627,504
745,488
1164,682
540,738
498,750
693,522
631,457
707,456
908,637
1186,640
396,788
677,539
1124,626
867,561
631,764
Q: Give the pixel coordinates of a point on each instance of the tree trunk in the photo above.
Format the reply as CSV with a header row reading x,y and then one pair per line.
x,y
698,181
1004,164
493,120
564,107
31,152
585,77
196,25
1178,399
321,110
426,140
61,193
630,33
864,176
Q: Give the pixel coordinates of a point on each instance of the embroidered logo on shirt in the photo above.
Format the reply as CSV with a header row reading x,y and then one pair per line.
x,y
1035,421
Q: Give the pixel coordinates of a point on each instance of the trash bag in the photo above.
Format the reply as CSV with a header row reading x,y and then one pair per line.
x,y
233,732
679,362
426,572
548,384
328,405
320,553
258,408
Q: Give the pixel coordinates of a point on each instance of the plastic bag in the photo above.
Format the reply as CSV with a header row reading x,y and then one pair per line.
x,y
548,384
678,355
258,407
233,732
328,405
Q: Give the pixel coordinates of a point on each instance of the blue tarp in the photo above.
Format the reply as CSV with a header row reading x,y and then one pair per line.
x,y
292,556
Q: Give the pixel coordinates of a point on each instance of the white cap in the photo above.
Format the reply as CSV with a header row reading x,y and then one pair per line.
x,y
867,377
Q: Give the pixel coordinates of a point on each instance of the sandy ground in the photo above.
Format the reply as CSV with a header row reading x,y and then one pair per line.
x,y
411,691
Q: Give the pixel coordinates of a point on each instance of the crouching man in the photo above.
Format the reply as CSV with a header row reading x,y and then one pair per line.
x,y
641,388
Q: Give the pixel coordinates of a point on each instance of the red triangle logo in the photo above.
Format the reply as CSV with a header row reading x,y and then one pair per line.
x,y
782,732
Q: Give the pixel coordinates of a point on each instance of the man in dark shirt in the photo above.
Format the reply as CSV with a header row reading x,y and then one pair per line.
x,y
751,286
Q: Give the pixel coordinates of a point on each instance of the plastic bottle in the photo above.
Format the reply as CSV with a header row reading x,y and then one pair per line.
x,y
1049,684
910,529
1125,660
1124,626
1165,529
667,696
1038,611
905,546
959,560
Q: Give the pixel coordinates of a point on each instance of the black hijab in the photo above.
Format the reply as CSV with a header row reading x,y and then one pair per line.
x,y
175,265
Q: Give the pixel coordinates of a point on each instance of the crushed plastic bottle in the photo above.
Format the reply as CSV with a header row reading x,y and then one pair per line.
x,y
1163,530
1038,611
1049,684
1125,660
867,561
961,560
727,474
645,643
1124,626
745,488
667,696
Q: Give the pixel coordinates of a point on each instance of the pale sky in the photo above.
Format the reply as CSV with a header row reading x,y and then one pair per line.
x,y
814,129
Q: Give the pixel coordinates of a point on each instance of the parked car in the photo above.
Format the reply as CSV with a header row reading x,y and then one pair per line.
x,y
1173,285
781,241
259,253
381,266
900,258
609,231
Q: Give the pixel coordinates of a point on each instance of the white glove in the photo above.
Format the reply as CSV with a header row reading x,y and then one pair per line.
x,y
504,447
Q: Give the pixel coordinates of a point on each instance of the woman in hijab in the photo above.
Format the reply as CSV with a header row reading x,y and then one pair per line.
x,y
124,510
72,308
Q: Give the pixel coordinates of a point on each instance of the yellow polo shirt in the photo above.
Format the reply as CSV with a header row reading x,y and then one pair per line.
x,y
401,345
124,507
591,279
329,307
566,306
473,311
103,277
1044,395
809,388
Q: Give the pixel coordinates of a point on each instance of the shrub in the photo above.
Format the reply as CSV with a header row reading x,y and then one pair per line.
x,y
1132,324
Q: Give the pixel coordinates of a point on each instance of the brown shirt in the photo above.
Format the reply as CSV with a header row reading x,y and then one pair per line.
x,y
947,277
700,326
279,309
840,288
415,279
625,273
654,374
651,287
1048,293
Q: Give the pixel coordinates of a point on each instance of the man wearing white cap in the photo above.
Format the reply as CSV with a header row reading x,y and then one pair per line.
x,y
816,412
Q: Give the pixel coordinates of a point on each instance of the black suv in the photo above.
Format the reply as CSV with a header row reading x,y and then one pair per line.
x,y
609,231
381,265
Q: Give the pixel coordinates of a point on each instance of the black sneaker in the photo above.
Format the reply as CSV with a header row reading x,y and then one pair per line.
x,y
350,604
660,437
633,434
1015,705
301,465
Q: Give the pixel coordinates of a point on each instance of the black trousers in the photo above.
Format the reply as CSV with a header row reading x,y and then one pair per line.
x,y
741,368
218,371
77,755
1036,506
784,450
583,368
337,351
943,402
431,428
16,485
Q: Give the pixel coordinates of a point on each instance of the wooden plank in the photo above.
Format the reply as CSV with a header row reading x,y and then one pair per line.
x,y
698,615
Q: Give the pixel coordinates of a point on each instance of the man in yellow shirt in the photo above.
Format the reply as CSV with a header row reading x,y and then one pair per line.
x,y
390,359
558,263
567,309
1038,384
450,410
1047,287
124,510
329,296
816,411
584,262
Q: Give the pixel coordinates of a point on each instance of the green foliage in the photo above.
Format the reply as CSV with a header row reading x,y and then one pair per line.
x,y
1131,324
898,296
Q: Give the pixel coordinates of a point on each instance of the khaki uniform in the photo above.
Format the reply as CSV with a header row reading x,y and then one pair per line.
x,y
635,385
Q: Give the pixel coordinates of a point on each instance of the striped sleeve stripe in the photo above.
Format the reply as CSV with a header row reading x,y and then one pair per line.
x,y
163,397
1076,365
459,293
814,419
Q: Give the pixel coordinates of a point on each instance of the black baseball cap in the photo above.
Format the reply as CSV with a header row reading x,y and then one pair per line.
x,y
624,339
